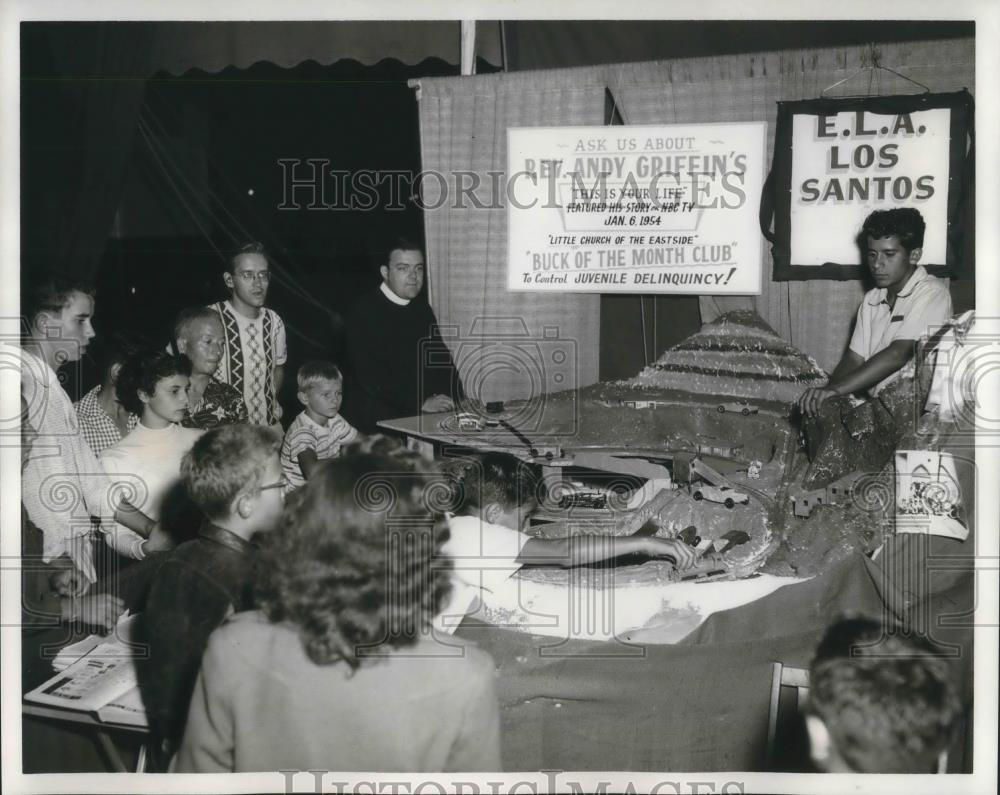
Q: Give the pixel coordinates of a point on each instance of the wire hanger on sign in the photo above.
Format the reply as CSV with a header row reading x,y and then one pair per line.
x,y
873,69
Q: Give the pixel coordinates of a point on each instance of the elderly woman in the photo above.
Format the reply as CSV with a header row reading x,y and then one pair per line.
x,y
198,334
338,670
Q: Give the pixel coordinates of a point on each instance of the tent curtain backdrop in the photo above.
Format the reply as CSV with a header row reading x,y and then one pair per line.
x,y
89,80
214,46
463,123
463,128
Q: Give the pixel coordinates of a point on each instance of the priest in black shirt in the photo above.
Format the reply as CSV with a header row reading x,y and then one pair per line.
x,y
401,366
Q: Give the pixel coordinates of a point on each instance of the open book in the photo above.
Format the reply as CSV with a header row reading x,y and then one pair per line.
x,y
102,681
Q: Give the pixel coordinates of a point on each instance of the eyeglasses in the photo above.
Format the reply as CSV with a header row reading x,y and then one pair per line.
x,y
279,484
253,276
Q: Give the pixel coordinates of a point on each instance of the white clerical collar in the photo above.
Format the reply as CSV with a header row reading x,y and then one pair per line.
x,y
388,293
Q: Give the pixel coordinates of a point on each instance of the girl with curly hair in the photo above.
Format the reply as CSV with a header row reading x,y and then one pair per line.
x,y
339,669
147,461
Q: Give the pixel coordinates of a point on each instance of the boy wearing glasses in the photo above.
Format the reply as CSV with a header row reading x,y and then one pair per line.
x,y
254,349
233,474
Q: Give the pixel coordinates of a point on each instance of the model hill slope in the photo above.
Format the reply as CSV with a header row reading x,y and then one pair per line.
x,y
738,356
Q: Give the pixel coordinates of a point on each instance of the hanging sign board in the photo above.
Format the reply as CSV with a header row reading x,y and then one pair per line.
x,y
636,209
837,160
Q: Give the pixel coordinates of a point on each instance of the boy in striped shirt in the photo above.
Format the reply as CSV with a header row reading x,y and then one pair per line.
x,y
319,431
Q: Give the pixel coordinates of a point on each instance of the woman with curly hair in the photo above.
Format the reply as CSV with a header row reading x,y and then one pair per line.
x,y
338,670
147,461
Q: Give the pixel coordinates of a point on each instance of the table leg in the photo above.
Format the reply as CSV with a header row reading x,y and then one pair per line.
x,y
141,759
114,758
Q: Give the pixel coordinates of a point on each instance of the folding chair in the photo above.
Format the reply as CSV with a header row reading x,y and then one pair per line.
x,y
783,676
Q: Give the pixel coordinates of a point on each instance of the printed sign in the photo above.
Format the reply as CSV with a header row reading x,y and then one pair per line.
x,y
839,160
635,209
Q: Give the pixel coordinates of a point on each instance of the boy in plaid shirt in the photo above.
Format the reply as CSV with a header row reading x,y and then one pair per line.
x,y
103,420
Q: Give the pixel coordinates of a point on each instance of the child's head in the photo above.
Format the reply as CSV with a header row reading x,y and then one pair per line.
x,y
234,472
879,702
114,350
357,564
498,488
321,388
154,385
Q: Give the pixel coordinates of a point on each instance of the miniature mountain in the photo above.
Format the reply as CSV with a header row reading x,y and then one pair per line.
x,y
738,356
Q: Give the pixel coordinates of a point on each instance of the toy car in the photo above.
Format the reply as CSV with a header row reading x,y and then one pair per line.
x,y
468,422
743,408
723,494
576,495
640,404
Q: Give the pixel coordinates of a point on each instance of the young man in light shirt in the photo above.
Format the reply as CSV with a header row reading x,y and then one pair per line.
x,y
62,484
905,304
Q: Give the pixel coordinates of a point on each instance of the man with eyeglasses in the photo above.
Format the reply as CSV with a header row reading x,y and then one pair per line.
x,y
254,349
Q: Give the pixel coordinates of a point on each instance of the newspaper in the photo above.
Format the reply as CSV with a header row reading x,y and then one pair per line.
x,y
97,678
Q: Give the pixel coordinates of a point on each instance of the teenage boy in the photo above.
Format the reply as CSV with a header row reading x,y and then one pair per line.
x,y
199,335
233,475
254,350
879,702
58,314
905,304
401,364
319,431
497,495
103,420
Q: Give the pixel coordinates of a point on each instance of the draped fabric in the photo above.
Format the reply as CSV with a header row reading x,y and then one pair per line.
x,y
463,124
815,316
82,87
557,43
503,342
657,706
213,46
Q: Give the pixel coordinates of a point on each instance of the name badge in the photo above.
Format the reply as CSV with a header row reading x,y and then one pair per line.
x,y
896,319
